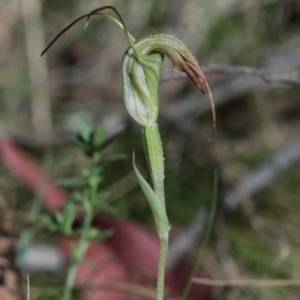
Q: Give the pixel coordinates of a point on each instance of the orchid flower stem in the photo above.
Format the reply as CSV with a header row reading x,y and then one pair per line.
x,y
154,151
155,158
163,251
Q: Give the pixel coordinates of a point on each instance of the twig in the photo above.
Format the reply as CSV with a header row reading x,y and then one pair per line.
x,y
238,70
264,175
249,282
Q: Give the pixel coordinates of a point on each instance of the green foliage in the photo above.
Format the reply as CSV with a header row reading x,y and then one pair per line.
x,y
86,200
90,140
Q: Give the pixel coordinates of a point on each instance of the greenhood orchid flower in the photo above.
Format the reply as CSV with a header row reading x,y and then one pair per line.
x,y
141,71
141,68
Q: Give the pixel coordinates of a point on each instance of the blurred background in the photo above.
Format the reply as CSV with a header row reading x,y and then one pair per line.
x,y
250,53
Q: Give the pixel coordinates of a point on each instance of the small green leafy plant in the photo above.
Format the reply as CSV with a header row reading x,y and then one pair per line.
x,y
86,200
141,68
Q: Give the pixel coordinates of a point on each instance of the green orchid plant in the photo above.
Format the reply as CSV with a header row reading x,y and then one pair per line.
x,y
141,68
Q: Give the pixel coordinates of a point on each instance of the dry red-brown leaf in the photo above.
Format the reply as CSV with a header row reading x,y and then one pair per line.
x,y
31,174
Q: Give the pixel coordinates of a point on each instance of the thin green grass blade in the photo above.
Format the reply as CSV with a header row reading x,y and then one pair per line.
x,y
207,235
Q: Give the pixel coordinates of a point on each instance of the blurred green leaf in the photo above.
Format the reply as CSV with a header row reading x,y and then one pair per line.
x,y
82,145
69,217
98,135
85,130
49,223
105,208
99,235
70,182
100,196
78,197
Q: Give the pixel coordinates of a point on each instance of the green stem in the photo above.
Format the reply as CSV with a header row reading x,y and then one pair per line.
x,y
155,157
79,251
163,251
